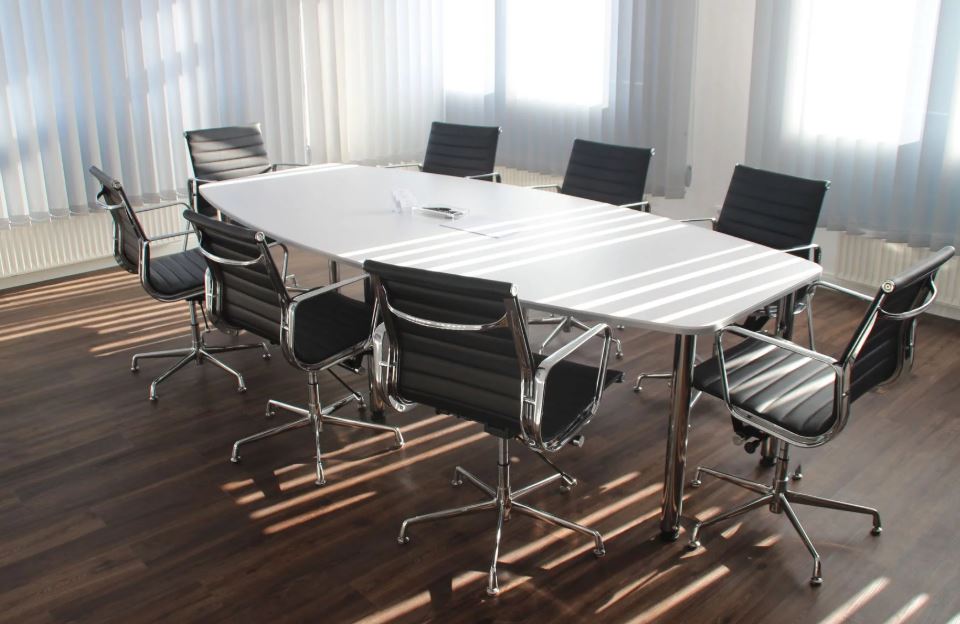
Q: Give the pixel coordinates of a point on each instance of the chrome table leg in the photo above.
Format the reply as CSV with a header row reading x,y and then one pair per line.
x,y
685,348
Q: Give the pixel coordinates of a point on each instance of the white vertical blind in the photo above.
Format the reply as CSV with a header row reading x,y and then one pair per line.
x,y
617,71
116,82
864,93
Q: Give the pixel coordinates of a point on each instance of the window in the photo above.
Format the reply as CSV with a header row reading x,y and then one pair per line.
x,y
558,51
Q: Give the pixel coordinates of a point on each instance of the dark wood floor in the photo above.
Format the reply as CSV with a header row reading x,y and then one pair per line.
x,y
116,510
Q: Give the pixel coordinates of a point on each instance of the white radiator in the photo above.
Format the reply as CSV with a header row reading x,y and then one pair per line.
x,y
864,263
50,248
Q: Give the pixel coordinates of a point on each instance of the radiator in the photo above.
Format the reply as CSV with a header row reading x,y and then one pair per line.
x,y
864,263
57,244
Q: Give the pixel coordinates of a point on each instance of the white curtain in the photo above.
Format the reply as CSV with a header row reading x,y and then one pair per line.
x,y
550,71
116,82
865,93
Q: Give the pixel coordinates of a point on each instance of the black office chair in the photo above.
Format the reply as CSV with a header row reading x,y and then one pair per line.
x,y
317,330
800,397
459,345
171,277
461,151
612,174
226,153
778,211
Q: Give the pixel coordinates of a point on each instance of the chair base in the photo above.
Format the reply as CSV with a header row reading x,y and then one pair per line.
x,y
504,501
197,352
564,324
778,498
317,415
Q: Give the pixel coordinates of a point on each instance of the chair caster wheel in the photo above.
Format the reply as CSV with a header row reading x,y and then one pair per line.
x,y
599,552
456,483
403,539
619,356
266,356
241,389
153,398
816,581
269,413
696,483
319,482
693,545
134,369
493,591
876,530
235,459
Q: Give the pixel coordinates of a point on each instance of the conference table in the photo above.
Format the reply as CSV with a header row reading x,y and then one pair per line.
x,y
565,254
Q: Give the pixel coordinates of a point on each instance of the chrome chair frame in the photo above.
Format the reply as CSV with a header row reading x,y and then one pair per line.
x,y
198,351
315,414
503,499
777,496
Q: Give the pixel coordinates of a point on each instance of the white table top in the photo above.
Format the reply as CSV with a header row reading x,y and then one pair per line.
x,y
564,254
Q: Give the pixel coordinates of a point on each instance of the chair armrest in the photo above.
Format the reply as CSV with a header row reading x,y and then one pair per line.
x,y
643,206
531,419
556,187
493,175
777,342
813,249
845,291
165,205
277,166
198,181
322,290
712,220
417,165
154,239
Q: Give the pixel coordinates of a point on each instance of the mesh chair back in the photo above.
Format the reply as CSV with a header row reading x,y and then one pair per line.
x,y
771,209
884,343
128,234
613,174
473,374
458,150
250,296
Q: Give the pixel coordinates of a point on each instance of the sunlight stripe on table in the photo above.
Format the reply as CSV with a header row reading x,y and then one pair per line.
x,y
524,250
626,294
691,292
642,274
566,252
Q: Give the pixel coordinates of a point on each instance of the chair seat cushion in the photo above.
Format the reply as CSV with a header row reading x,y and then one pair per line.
x,y
778,386
329,324
178,275
570,388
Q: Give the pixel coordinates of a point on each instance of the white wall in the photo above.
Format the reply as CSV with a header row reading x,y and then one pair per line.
x,y
721,93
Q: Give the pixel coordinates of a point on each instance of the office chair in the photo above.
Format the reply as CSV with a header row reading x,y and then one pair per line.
x,y
226,153
775,210
461,151
800,397
612,174
459,344
317,329
171,277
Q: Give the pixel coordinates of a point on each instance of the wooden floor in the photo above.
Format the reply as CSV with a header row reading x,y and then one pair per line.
x,y
116,510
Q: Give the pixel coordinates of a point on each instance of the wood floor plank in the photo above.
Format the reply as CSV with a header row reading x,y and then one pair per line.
x,y
113,509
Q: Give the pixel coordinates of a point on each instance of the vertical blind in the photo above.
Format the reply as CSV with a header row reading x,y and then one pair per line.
x,y
865,93
116,82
